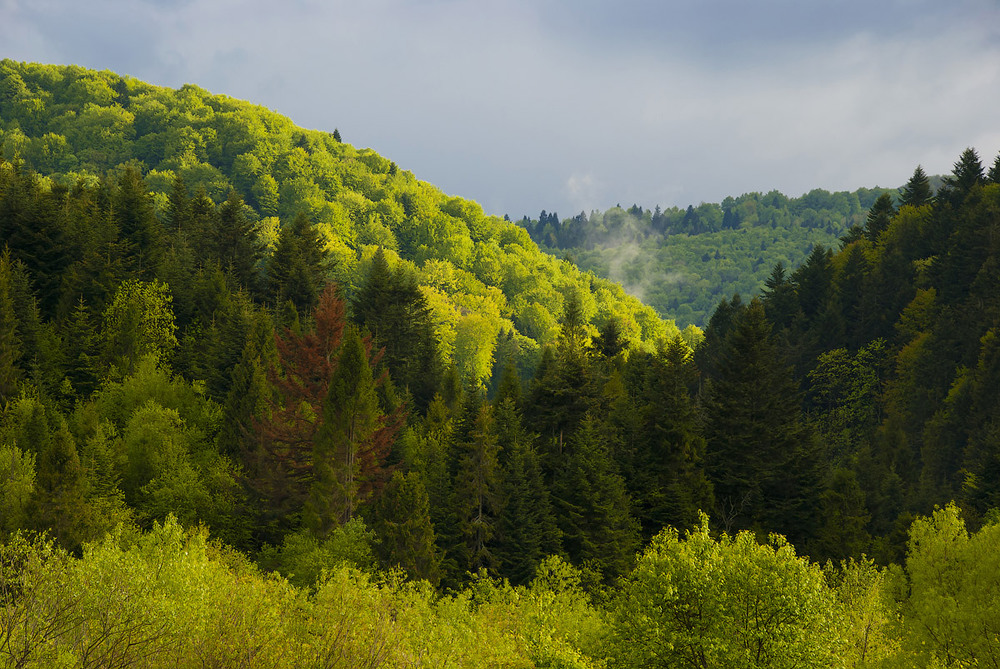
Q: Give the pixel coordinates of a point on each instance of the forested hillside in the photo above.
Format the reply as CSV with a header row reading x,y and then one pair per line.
x,y
683,261
482,278
234,435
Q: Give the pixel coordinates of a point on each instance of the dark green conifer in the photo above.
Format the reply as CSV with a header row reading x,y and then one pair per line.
x,y
402,523
917,191
762,460
593,509
879,216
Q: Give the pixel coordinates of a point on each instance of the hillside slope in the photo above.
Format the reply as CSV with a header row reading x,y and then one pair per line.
x,y
484,278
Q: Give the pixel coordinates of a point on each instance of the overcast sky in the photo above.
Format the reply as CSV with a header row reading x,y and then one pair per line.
x,y
570,105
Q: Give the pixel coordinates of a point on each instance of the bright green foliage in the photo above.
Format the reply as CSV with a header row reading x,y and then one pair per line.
x,y
952,612
139,322
683,262
17,483
870,620
147,137
730,602
305,560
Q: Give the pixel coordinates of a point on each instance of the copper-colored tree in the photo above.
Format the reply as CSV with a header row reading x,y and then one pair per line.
x,y
285,462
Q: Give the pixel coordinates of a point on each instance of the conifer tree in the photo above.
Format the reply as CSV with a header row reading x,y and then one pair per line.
x,y
879,216
668,483
296,271
778,296
762,460
235,243
10,344
593,507
351,446
476,490
526,530
402,523
391,307
133,211
917,191
968,173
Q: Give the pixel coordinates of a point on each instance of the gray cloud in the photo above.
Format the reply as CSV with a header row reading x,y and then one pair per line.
x,y
577,105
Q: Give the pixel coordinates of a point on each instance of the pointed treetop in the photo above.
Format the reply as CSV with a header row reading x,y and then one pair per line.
x,y
917,190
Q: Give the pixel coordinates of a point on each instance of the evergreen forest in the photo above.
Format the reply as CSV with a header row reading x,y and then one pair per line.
x,y
267,400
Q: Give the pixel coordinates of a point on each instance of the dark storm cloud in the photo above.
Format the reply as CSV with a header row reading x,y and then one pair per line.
x,y
572,105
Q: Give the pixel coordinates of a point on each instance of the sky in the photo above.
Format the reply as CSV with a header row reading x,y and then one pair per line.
x,y
574,105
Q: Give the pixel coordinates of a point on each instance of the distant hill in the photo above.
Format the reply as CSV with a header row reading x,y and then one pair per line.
x,y
682,262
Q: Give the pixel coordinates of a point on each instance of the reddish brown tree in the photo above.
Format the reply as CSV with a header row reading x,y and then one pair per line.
x,y
284,466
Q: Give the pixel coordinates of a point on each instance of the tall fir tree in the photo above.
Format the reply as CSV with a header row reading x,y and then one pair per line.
x,y
351,446
762,460
593,507
917,191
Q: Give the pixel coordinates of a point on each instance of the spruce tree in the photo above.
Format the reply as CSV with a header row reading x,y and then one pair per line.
x,y
879,216
917,191
351,447
762,460
401,521
390,305
10,343
526,529
476,491
967,174
296,271
593,507
235,243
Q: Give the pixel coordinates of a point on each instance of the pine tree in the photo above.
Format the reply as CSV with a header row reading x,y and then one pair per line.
x,y
879,217
593,507
917,191
352,444
762,460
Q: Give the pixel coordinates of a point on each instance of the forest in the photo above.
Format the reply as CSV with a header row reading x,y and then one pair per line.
x,y
362,424
682,262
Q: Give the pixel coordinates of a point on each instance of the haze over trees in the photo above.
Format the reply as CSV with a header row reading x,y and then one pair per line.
x,y
310,411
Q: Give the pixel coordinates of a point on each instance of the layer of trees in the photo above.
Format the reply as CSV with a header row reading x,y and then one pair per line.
x,y
177,362
481,277
683,261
